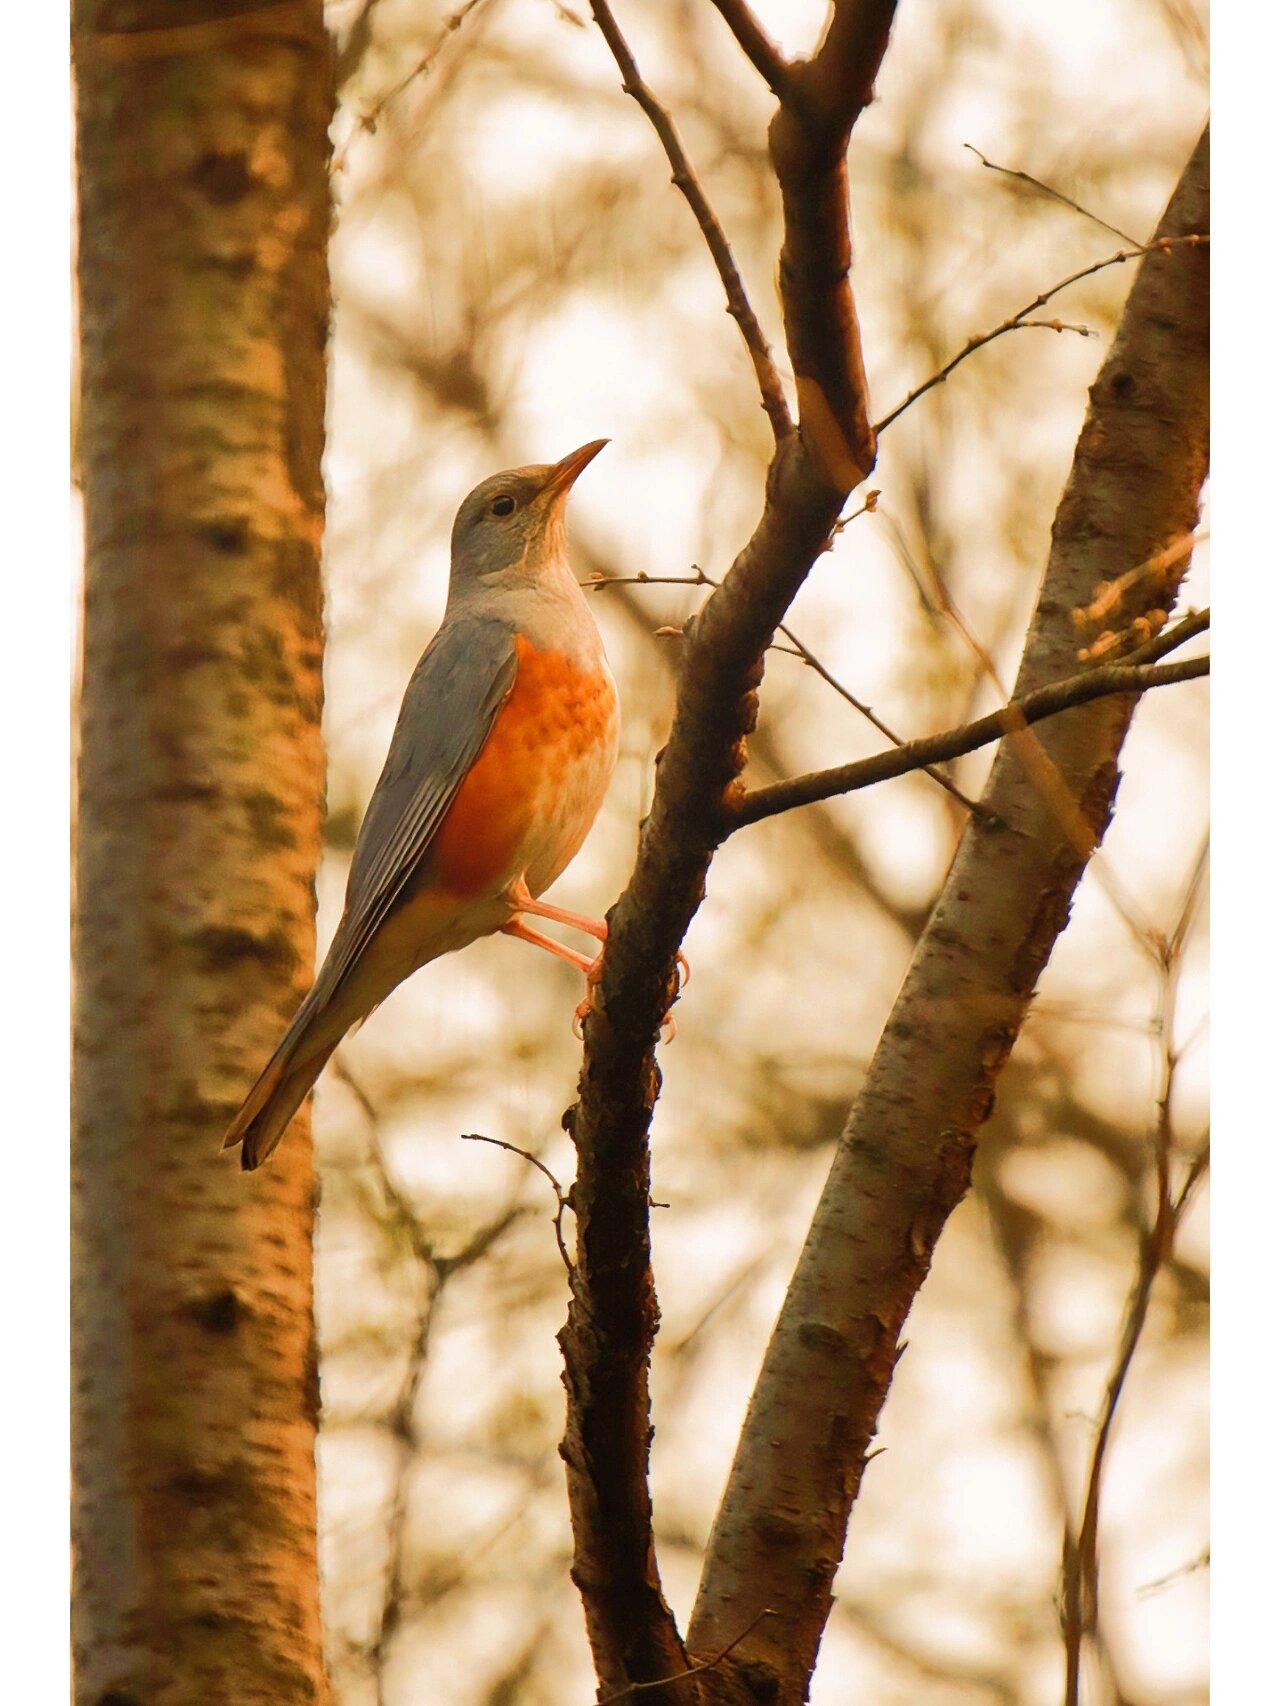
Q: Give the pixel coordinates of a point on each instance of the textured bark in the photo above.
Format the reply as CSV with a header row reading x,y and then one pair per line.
x,y
203,204
904,1157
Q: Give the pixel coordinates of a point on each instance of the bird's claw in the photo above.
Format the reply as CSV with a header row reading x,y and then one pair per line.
x,y
667,1031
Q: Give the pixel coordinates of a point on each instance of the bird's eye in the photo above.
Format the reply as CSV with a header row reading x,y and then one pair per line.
x,y
503,505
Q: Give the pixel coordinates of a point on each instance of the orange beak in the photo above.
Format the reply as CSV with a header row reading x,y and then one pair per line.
x,y
566,471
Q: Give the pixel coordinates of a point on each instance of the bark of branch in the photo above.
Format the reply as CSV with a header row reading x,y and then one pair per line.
x,y
613,1313
749,34
1048,701
808,142
903,1160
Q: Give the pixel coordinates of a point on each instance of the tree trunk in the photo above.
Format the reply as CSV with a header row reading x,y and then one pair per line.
x,y
203,203
904,1157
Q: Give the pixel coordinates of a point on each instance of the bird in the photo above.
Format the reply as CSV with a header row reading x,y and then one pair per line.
x,y
502,752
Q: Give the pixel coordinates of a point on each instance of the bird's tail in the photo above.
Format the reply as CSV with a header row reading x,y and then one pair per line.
x,y
281,1088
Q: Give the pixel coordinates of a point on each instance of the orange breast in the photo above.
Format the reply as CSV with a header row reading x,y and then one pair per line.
x,y
524,796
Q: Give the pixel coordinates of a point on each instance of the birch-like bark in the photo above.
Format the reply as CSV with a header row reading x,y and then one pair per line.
x,y
203,204
903,1160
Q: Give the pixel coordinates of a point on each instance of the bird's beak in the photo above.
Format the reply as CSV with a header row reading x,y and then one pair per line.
x,y
566,471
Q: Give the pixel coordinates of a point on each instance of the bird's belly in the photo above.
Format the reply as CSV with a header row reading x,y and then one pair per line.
x,y
528,801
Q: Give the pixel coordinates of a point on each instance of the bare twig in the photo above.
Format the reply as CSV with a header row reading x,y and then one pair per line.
x,y
686,181
1199,1562
1049,701
1054,195
796,648
755,43
367,122
940,777
1080,1553
562,1199
1018,320
703,1665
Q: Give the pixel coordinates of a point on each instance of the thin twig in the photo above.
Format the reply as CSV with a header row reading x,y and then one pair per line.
x,y
1053,195
1048,701
1200,1562
750,36
686,181
796,649
562,1200
1080,1553
940,777
693,1670
1016,321
367,122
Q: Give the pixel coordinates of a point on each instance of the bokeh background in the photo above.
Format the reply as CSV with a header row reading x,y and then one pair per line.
x,y
514,275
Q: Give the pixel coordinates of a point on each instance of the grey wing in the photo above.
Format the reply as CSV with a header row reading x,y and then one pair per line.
x,y
449,707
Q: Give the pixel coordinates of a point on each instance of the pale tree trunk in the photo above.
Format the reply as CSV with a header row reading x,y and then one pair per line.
x,y
904,1156
203,207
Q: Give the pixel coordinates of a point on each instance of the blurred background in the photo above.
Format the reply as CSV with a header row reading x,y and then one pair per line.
x,y
514,275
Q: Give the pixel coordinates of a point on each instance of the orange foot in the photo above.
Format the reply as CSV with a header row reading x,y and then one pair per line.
x,y
668,1029
590,968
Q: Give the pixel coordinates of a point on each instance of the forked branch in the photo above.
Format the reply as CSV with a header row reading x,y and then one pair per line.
x,y
608,1337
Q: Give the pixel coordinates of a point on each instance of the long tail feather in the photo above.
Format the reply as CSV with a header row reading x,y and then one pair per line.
x,y
282,1085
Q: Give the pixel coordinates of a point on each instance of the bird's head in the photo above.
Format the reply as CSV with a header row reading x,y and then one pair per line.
x,y
514,522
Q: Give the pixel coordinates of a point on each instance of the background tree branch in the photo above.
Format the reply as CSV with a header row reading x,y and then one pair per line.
x,y
904,1158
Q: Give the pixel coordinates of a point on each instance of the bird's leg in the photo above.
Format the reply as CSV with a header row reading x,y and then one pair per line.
x,y
557,914
590,926
525,933
589,968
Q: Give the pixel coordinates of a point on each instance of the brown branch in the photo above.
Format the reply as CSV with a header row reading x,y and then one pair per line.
x,y
686,181
750,36
613,1314
1015,322
903,1160
1048,190
808,141
1034,707
679,1676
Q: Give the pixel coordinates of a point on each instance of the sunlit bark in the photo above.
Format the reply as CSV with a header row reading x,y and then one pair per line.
x,y
203,208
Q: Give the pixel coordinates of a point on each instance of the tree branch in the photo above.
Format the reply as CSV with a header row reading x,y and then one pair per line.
x,y
609,1334
1044,702
1017,321
1048,190
903,1160
808,141
686,181
759,49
